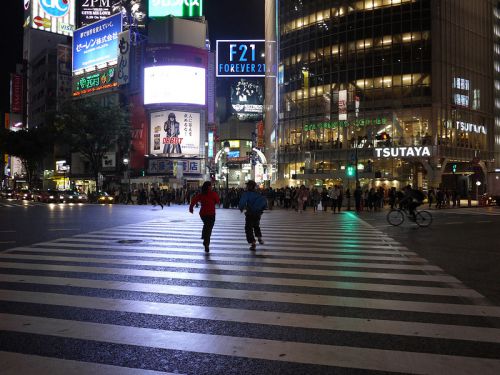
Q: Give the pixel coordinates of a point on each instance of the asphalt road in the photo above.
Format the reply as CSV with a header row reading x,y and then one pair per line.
x,y
464,242
130,291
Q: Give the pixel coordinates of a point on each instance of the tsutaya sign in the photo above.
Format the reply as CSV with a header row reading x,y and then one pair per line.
x,y
403,152
470,128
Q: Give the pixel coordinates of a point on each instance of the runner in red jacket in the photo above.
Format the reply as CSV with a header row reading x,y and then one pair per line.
x,y
208,199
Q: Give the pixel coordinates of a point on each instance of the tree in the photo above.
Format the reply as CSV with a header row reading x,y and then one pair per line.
x,y
30,146
92,127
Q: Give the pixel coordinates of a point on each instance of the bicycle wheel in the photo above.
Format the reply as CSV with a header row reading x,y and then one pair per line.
x,y
395,217
423,219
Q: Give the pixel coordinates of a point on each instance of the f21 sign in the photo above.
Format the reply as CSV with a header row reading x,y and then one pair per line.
x,y
241,58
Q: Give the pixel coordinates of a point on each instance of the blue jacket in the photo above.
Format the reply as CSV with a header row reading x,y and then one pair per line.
x,y
253,202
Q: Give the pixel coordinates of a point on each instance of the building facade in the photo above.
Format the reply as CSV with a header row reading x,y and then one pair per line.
x,y
400,90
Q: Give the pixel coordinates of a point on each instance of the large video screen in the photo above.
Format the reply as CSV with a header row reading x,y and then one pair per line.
x,y
247,98
174,84
96,44
175,133
133,11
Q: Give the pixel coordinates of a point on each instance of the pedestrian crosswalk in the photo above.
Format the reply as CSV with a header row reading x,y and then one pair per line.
x,y
325,295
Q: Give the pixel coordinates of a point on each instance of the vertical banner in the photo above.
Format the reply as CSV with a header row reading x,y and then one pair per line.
x,y
210,144
357,102
123,58
16,96
260,134
342,105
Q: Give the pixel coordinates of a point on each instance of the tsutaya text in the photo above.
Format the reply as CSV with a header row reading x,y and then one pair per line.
x,y
403,152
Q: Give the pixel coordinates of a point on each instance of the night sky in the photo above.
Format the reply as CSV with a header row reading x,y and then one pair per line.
x,y
227,19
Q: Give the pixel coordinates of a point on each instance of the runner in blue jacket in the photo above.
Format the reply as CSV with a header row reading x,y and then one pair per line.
x,y
254,204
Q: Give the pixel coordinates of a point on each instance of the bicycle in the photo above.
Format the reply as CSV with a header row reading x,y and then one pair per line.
x,y
397,216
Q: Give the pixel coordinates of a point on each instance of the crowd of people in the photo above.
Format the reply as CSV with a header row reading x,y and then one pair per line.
x,y
301,198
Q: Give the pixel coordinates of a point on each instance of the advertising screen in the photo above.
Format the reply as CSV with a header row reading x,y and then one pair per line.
x,y
241,58
96,44
177,8
174,84
175,133
133,11
56,16
247,98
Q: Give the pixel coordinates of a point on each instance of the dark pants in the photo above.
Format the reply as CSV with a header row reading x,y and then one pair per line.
x,y
208,225
252,226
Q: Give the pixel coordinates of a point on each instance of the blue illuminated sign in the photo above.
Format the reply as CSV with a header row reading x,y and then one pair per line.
x,y
241,58
96,44
55,8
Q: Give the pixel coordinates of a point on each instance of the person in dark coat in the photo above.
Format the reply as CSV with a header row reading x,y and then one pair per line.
x,y
254,204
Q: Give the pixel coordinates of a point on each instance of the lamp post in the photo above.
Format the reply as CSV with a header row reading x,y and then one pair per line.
x,y
127,173
478,183
227,148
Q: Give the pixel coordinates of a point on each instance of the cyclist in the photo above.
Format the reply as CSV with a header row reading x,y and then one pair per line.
x,y
411,200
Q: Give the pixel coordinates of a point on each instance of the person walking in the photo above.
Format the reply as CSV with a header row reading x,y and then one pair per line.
x,y
358,196
208,199
340,199
155,198
254,204
302,195
334,195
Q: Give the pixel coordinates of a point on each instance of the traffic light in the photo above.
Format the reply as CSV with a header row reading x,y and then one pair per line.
x,y
143,173
454,168
350,171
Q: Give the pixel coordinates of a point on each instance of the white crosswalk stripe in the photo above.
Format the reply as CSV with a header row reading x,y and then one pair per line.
x,y
324,294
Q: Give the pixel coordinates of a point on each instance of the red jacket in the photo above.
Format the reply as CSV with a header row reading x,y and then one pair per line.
x,y
207,201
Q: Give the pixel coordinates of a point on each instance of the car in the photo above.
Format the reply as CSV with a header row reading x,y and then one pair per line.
x,y
105,198
74,196
24,195
8,194
51,196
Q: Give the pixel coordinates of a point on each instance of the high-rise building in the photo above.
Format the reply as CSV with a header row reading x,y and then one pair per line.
x,y
400,90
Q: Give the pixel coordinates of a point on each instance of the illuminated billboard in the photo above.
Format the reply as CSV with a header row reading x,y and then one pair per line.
x,y
174,84
175,133
177,8
247,98
55,16
96,45
241,58
96,81
134,11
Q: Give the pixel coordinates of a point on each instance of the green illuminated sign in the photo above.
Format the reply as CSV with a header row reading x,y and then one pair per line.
x,y
177,8
100,80
342,124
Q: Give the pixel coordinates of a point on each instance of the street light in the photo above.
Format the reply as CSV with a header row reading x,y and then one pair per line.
x,y
227,148
478,183
127,173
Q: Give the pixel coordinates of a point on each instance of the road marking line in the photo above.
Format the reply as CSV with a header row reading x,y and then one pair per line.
x,y
272,297
252,268
15,364
332,323
230,279
294,352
